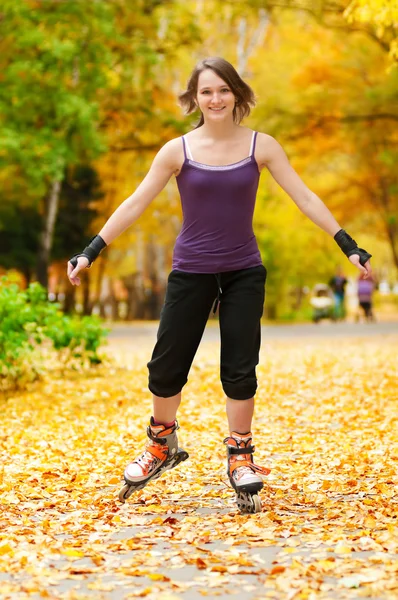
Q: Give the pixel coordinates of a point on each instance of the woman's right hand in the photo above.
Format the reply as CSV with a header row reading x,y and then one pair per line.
x,y
82,263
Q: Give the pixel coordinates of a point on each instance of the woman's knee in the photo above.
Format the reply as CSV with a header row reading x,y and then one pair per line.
x,y
165,384
240,389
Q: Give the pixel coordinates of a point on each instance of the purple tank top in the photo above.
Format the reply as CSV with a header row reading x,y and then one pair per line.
x,y
218,204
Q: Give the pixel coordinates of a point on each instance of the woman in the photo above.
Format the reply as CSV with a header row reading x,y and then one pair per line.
x,y
365,291
216,261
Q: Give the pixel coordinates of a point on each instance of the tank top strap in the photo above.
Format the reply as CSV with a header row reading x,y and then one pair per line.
x,y
184,147
187,150
253,143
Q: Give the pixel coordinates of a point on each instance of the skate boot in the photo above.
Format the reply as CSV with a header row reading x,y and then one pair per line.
x,y
161,454
243,473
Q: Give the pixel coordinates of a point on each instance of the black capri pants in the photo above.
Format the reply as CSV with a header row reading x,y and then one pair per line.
x,y
189,300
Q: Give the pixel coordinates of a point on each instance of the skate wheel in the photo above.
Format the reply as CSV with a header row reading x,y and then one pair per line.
x,y
125,493
256,503
180,457
248,503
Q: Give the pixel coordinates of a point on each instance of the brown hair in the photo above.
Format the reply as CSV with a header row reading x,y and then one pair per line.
x,y
243,93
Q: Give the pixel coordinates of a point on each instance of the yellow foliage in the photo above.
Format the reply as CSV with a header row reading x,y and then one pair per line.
x,y
306,85
323,424
383,14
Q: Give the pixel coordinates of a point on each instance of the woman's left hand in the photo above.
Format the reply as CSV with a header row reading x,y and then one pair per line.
x,y
366,270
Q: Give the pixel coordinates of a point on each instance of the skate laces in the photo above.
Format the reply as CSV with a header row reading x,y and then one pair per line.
x,y
149,459
241,471
240,463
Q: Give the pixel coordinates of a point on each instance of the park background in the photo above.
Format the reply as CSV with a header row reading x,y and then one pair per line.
x,y
89,94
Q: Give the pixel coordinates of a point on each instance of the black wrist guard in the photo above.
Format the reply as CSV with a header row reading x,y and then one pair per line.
x,y
350,247
91,252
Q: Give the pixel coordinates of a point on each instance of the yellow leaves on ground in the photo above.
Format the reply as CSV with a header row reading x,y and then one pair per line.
x,y
325,424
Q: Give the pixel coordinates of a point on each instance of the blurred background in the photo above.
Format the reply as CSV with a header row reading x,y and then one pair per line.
x,y
88,95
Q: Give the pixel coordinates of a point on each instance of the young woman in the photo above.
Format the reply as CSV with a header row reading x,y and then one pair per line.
x,y
216,261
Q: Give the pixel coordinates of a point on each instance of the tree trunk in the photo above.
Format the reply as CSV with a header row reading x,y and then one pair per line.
x,y
69,301
98,283
247,44
86,294
271,311
389,217
129,283
27,273
46,238
114,306
298,296
392,238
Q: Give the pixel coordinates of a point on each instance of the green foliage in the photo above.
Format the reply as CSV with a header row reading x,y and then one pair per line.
x,y
78,209
33,330
19,237
54,61
20,225
76,78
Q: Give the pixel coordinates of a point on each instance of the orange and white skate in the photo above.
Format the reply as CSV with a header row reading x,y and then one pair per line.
x,y
243,474
161,454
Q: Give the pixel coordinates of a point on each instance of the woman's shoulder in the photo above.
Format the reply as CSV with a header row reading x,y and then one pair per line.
x,y
172,148
173,144
265,138
171,154
267,147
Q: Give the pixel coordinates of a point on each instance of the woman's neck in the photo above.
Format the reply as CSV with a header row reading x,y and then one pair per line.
x,y
219,130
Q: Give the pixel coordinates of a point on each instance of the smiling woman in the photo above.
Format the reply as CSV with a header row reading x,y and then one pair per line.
x,y
219,82
216,262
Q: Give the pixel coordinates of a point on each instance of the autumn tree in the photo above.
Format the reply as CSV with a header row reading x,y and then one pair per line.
x,y
140,115
336,115
54,61
69,69
382,15
376,19
19,238
328,95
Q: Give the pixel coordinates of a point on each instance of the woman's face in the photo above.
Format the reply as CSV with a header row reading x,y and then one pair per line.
x,y
214,97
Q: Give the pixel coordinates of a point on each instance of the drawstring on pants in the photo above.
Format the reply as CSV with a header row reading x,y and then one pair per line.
x,y
219,292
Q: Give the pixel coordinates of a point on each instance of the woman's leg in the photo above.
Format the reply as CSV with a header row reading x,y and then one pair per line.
x,y
189,298
240,415
241,308
187,306
165,409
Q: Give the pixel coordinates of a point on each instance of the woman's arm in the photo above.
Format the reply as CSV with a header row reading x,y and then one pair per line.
x,y
270,154
167,161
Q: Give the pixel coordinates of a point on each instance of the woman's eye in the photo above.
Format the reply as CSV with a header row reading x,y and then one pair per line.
x,y
224,91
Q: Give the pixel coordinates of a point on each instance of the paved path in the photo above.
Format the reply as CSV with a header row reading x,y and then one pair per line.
x,y
325,329
179,549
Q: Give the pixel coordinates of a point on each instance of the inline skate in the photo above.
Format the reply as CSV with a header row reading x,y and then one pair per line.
x,y
161,454
243,473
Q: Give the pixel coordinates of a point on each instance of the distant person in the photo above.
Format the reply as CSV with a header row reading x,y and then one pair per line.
x,y
365,290
216,260
338,284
